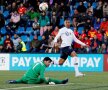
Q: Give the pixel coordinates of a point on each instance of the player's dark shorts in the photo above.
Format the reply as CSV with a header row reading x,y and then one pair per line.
x,y
65,52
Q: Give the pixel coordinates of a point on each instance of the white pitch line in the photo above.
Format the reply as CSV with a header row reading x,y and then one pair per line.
x,y
37,86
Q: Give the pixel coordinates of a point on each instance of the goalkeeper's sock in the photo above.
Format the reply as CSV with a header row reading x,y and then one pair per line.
x,y
58,81
55,81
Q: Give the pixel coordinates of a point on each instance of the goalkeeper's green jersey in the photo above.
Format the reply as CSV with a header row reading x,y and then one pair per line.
x,y
36,71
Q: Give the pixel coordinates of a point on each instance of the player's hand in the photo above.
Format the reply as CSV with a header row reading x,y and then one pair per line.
x,y
87,46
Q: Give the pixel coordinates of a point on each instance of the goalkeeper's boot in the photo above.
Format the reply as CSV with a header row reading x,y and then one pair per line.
x,y
12,82
65,81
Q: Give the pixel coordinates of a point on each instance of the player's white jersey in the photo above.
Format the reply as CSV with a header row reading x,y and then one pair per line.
x,y
67,36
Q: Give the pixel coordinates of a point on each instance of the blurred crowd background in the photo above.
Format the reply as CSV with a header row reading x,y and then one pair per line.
x,y
25,29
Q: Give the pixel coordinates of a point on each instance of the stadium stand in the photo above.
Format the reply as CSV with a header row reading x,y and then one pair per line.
x,y
82,13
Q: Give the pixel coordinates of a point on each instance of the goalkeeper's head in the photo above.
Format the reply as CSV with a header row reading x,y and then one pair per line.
x,y
47,61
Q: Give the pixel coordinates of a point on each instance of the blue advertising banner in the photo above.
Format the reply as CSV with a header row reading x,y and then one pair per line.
x,y
87,62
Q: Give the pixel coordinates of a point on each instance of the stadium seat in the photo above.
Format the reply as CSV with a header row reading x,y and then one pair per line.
x,y
39,37
94,5
77,4
29,30
20,30
80,29
28,46
72,28
24,38
61,22
3,30
86,4
71,12
31,37
6,14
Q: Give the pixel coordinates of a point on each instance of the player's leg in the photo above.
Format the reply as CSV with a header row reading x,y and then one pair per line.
x,y
75,60
18,81
63,56
15,81
55,81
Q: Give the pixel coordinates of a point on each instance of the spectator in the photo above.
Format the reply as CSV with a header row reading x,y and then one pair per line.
x,y
8,44
89,8
76,45
82,50
105,9
87,25
99,10
99,36
43,42
81,8
32,14
2,20
92,32
34,45
54,19
43,22
83,35
49,47
13,7
105,40
1,40
15,42
76,32
94,44
11,28
103,49
89,15
55,32
22,9
87,41
62,9
81,21
75,18
1,49
21,46
15,17
55,8
24,19
106,32
97,23
36,27
104,25
48,32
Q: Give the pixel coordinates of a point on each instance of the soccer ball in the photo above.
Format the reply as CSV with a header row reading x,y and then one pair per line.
x,y
43,6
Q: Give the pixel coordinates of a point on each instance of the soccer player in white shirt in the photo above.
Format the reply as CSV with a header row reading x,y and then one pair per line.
x,y
67,37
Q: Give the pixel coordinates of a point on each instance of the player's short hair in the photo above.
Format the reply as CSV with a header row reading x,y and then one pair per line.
x,y
47,59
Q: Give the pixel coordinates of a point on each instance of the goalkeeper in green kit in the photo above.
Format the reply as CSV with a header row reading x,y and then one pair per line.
x,y
35,75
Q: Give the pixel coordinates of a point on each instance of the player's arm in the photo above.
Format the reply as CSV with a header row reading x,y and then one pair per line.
x,y
57,36
78,41
42,76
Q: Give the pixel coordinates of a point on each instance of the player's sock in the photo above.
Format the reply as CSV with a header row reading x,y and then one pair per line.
x,y
76,65
58,81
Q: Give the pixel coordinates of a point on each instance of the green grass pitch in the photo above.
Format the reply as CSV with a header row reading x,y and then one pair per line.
x,y
92,81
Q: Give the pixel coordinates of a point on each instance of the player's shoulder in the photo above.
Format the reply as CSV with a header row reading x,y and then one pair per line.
x,y
62,28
